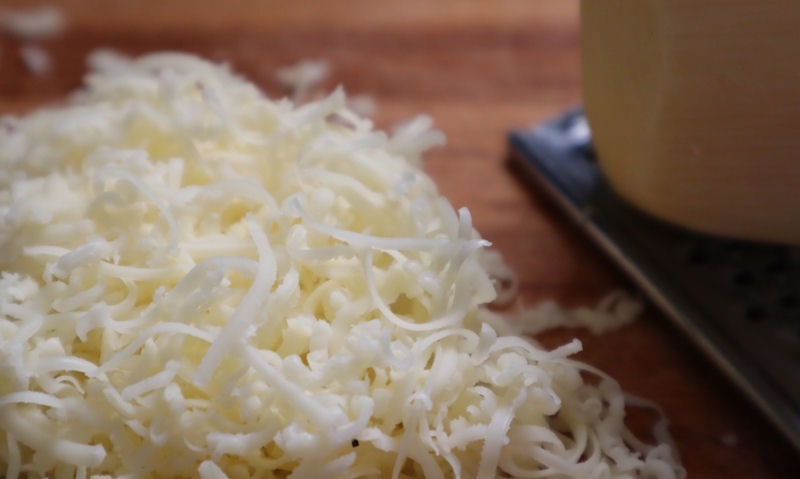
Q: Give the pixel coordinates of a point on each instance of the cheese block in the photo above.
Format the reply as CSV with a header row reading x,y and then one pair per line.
x,y
695,110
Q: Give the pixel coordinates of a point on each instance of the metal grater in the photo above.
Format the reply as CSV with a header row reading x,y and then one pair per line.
x,y
738,301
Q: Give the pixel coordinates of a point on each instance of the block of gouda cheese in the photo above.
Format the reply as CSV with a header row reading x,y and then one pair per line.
x,y
695,110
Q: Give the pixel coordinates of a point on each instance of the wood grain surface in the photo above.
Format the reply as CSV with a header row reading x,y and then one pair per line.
x,y
480,69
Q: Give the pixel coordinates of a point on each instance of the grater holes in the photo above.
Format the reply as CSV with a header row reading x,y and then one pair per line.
x,y
788,302
697,256
744,277
755,313
777,266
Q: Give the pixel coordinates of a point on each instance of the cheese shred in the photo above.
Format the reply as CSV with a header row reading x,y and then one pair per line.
x,y
199,281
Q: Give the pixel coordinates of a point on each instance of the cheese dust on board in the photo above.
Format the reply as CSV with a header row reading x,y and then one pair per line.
x,y
200,281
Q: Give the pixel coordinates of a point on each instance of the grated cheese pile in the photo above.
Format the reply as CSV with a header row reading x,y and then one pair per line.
x,y
199,281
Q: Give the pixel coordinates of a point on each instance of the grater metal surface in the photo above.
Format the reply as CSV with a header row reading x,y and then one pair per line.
x,y
738,301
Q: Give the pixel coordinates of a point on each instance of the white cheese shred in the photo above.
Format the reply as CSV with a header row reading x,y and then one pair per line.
x,y
36,59
36,23
199,281
615,310
302,78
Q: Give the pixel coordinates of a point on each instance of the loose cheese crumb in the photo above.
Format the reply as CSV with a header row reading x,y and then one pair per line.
x,y
198,281
35,58
303,77
32,24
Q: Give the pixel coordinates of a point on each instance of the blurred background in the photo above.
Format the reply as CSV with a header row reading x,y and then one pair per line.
x,y
480,69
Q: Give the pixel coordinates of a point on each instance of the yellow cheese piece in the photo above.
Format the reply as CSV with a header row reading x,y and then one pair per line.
x,y
695,110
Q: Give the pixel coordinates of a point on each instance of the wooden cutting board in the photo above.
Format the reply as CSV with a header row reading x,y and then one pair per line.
x,y
479,68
